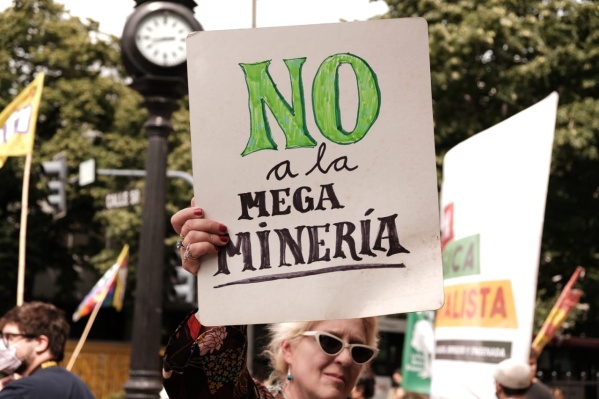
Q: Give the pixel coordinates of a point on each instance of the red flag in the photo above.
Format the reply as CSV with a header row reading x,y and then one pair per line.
x,y
568,298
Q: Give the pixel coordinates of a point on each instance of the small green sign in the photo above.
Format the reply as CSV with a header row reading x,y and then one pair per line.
x,y
462,257
418,349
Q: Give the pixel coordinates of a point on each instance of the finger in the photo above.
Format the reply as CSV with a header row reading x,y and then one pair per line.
x,y
192,266
200,244
191,255
193,202
179,218
200,225
197,250
207,243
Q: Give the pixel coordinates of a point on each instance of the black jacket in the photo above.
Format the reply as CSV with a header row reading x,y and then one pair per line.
x,y
49,383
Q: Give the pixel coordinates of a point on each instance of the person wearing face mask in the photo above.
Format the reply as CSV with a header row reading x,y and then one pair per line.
x,y
8,362
311,359
33,338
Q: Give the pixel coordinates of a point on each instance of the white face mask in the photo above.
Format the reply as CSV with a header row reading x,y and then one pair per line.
x,y
8,358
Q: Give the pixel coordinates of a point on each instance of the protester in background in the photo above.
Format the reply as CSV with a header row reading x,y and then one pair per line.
x,y
308,359
512,379
364,388
538,390
396,391
33,339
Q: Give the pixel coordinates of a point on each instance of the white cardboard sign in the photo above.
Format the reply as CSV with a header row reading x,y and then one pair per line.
x,y
493,207
314,146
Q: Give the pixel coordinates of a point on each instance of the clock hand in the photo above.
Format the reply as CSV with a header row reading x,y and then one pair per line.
x,y
164,39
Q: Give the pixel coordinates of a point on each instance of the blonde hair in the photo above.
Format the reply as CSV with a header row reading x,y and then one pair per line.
x,y
292,332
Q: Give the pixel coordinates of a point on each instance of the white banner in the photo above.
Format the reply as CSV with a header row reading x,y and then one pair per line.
x,y
315,146
492,211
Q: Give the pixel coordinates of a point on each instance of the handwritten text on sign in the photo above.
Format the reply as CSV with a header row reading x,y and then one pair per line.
x,y
320,161
325,90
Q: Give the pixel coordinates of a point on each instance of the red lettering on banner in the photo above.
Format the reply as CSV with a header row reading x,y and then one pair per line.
x,y
499,304
484,304
446,225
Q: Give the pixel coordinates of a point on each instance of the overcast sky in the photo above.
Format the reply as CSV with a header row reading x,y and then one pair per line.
x,y
232,14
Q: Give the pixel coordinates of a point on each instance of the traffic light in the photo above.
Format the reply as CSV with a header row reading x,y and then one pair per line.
x,y
57,171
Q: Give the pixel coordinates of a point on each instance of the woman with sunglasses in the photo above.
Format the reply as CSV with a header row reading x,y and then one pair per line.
x,y
310,360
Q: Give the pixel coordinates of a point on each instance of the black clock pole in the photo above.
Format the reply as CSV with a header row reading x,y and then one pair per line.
x,y
161,85
145,380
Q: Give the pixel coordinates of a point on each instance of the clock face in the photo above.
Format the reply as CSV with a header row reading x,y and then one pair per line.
x,y
160,38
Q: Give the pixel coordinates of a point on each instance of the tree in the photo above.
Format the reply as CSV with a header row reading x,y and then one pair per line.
x,y
88,111
492,59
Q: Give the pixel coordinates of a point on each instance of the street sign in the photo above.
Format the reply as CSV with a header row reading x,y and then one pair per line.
x,y
87,172
123,199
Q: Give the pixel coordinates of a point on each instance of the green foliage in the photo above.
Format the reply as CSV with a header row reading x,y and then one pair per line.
x,y
87,111
492,59
489,60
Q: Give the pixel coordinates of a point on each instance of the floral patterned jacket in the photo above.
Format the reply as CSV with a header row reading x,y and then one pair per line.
x,y
209,364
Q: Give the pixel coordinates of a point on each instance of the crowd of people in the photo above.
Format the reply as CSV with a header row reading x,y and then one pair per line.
x,y
322,359
309,359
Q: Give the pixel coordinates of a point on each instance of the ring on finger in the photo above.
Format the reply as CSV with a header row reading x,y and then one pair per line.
x,y
180,245
188,255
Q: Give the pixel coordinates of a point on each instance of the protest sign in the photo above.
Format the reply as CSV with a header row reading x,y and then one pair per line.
x,y
314,146
493,206
418,351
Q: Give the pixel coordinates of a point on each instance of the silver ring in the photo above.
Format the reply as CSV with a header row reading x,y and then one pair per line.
x,y
180,244
187,254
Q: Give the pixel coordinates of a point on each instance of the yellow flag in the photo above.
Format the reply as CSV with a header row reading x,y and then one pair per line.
x,y
18,121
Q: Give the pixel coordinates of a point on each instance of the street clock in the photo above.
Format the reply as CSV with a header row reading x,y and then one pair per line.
x,y
153,41
154,53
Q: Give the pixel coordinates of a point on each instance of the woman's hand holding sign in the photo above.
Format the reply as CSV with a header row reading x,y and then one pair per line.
x,y
199,236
